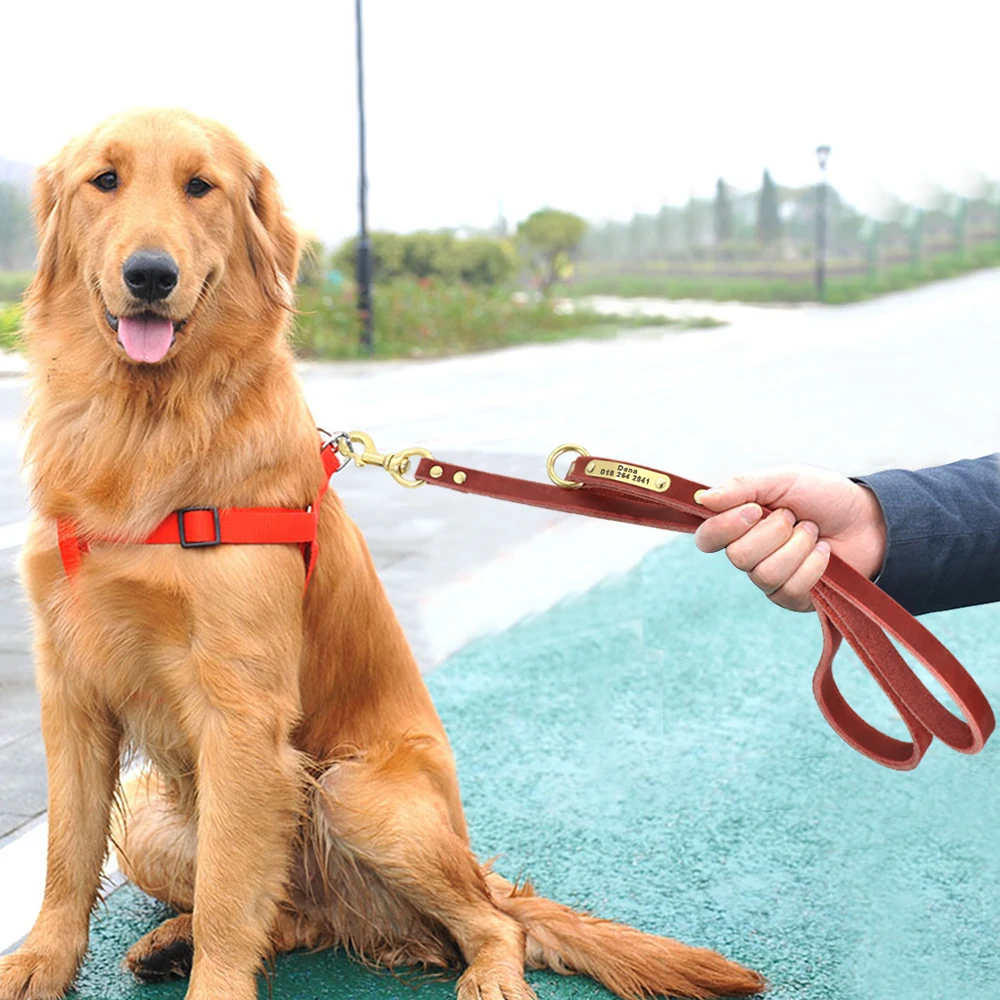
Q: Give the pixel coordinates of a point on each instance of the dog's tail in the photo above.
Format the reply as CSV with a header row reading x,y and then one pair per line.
x,y
628,962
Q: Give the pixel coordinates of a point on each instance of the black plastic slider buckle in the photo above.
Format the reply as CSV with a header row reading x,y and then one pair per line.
x,y
185,544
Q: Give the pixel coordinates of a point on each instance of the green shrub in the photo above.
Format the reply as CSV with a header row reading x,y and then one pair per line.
x,y
483,261
480,260
430,255
429,318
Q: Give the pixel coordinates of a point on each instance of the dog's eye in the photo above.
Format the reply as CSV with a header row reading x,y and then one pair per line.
x,y
197,187
107,181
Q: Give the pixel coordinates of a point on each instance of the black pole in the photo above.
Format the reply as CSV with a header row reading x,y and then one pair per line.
x,y
821,239
822,153
364,258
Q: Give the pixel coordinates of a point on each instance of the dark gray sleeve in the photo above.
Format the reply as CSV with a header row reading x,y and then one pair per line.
x,y
942,534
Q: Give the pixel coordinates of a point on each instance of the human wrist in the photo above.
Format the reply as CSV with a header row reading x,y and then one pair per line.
x,y
872,531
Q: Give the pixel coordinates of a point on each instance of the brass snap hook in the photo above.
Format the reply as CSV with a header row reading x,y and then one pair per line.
x,y
397,464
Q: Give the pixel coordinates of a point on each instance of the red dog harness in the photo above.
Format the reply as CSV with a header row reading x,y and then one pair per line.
x,y
205,527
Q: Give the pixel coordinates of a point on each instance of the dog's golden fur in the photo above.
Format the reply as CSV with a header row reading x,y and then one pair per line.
x,y
301,790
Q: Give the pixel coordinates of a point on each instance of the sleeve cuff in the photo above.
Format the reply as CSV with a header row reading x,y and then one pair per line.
x,y
942,534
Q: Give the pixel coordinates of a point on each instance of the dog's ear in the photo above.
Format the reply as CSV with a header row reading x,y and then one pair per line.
x,y
45,198
273,243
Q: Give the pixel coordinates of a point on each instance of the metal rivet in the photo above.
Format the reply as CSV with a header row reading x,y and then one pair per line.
x,y
661,484
459,477
697,495
436,472
591,466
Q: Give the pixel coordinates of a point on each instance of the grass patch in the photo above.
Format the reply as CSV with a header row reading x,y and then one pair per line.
x,y
665,286
839,290
425,319
431,319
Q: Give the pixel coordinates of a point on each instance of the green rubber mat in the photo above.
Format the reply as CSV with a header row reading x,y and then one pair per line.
x,y
651,752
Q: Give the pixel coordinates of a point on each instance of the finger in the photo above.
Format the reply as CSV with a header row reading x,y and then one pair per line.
x,y
764,538
774,571
795,594
717,532
764,487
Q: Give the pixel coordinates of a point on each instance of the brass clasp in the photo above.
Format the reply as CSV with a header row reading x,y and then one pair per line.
x,y
397,464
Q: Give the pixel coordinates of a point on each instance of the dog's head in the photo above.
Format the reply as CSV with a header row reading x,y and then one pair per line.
x,y
155,224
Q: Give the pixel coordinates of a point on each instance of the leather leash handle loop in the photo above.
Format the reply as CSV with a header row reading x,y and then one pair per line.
x,y
848,606
858,611
845,722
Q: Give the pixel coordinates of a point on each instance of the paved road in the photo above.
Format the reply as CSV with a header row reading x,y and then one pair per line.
x,y
909,380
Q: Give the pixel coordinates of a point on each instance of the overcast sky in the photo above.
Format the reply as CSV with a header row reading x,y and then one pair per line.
x,y
597,106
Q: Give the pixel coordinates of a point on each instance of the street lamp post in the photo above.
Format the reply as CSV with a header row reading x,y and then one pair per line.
x,y
822,154
364,256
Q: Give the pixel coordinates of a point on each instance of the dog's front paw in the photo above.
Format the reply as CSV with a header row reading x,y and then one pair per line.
x,y
30,974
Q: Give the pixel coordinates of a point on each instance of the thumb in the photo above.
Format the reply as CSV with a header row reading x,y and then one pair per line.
x,y
764,487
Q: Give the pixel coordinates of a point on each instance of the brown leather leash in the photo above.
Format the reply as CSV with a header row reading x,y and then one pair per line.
x,y
848,605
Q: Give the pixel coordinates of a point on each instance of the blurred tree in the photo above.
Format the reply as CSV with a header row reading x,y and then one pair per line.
x,y
636,243
768,217
663,232
917,237
387,256
847,228
596,243
690,219
692,226
874,248
312,267
723,215
961,225
617,240
500,228
552,239
485,262
17,245
698,225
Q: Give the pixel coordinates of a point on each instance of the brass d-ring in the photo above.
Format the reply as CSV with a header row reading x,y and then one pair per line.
x,y
551,465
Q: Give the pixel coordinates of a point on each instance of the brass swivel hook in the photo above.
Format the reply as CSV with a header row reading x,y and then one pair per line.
x,y
397,464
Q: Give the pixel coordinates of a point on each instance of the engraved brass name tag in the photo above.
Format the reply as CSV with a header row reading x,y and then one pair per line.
x,y
634,475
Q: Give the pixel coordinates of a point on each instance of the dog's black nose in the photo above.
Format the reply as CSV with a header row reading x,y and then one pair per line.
x,y
150,274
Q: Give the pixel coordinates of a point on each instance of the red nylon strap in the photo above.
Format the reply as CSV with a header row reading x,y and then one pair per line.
x,y
239,526
226,526
71,548
848,605
331,463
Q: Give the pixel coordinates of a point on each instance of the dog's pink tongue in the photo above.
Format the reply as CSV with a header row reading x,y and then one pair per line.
x,y
145,338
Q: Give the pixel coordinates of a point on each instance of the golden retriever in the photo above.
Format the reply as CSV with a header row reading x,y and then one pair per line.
x,y
300,791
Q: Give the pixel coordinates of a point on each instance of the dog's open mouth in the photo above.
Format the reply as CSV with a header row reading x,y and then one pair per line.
x,y
145,336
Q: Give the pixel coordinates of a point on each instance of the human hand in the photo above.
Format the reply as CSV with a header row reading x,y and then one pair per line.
x,y
814,512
